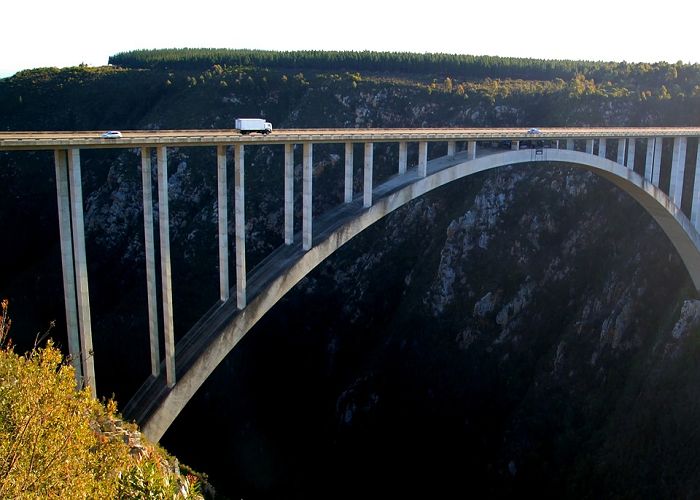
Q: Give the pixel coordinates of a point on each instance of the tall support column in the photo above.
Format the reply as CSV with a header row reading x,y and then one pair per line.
x,y
149,246
602,147
677,170
307,227
403,157
165,273
63,198
621,143
631,150
589,146
656,167
239,220
570,144
695,211
349,159
289,194
422,158
515,145
369,167
649,162
451,148
471,150
81,278
222,208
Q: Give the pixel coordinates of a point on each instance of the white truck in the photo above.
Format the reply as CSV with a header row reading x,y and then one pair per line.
x,y
248,125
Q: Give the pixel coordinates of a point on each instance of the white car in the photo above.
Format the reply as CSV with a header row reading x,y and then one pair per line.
x,y
112,134
534,131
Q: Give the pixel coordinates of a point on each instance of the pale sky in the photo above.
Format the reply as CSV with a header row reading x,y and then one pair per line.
x,y
38,33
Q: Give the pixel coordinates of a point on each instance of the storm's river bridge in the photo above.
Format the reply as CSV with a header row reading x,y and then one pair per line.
x,y
631,158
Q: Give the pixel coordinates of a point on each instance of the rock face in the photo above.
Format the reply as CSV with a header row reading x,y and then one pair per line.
x,y
523,331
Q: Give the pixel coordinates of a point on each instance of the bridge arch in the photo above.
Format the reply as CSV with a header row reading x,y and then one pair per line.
x,y
233,325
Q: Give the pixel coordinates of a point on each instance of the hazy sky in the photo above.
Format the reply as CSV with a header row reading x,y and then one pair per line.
x,y
37,33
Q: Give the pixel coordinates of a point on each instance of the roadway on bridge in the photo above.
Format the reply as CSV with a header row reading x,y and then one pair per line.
x,y
47,140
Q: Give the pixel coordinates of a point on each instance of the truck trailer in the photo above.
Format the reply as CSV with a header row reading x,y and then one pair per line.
x,y
248,125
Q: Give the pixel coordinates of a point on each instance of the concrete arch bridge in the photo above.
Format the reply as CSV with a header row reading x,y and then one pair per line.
x,y
634,159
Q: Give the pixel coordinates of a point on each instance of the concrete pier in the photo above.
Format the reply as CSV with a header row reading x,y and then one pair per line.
x,y
570,144
602,147
649,161
403,157
349,165
515,145
589,146
422,158
289,194
368,170
630,153
451,148
69,291
621,143
80,260
239,221
222,209
656,166
149,246
471,150
165,273
307,189
675,189
695,212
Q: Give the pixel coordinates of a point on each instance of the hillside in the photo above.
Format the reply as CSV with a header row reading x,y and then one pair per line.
x,y
523,331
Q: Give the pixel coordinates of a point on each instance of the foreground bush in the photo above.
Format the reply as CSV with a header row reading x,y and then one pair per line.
x,y
58,441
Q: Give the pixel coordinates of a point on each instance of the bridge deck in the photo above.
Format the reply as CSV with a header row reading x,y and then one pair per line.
x,y
37,140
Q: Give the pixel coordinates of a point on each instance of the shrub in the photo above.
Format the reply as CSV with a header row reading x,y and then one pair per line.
x,y
58,441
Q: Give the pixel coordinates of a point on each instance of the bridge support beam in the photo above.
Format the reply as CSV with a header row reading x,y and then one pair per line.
x,y
656,166
81,278
222,209
288,194
422,159
68,267
570,144
368,169
149,246
695,211
515,145
630,153
677,170
471,150
621,143
165,272
307,228
349,165
602,147
403,157
649,162
451,148
239,219
589,146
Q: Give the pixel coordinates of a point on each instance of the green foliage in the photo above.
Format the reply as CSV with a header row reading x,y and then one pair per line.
x,y
455,65
53,442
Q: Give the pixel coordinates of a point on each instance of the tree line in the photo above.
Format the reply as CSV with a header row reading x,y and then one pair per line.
x,y
434,64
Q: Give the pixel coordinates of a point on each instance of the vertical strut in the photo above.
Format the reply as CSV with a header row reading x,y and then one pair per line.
x,y
149,246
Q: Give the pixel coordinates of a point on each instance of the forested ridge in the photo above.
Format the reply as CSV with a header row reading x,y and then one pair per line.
x,y
460,66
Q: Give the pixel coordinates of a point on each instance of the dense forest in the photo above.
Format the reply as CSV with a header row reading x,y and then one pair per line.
x,y
459,66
